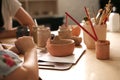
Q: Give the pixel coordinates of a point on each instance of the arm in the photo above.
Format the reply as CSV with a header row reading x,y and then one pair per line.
x,y
29,69
24,18
4,34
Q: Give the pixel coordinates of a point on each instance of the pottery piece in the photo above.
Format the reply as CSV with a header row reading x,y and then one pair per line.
x,y
77,40
70,32
64,32
102,49
60,47
100,32
75,30
41,35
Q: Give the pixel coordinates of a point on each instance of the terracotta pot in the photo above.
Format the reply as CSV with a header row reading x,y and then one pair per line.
x,y
60,47
102,49
75,30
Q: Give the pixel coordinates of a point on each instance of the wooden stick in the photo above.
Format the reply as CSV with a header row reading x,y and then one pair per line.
x,y
66,20
91,23
81,26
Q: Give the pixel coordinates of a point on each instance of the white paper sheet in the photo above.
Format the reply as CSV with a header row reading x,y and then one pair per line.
x,y
69,59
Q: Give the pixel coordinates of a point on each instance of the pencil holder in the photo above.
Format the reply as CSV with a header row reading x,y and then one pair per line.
x,y
100,32
102,49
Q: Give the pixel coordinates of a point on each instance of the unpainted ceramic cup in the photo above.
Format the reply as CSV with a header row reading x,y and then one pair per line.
x,y
40,35
102,49
43,35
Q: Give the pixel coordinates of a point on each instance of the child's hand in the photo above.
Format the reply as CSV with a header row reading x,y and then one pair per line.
x,y
25,43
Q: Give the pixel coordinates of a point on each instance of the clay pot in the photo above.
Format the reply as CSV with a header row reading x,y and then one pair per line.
x,y
102,49
64,32
60,47
75,30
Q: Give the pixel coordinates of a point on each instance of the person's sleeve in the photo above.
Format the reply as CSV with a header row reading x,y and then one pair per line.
x,y
9,61
13,5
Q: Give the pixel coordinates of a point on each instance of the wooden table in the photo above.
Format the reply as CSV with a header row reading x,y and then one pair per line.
x,y
90,68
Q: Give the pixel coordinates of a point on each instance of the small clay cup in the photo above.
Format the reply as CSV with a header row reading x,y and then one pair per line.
x,y
102,49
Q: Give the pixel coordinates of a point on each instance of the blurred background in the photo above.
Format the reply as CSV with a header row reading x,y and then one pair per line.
x,y
52,12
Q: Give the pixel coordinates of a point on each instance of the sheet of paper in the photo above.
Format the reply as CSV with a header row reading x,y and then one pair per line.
x,y
69,59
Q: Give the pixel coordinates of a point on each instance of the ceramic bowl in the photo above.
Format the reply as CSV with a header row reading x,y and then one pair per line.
x,y
60,47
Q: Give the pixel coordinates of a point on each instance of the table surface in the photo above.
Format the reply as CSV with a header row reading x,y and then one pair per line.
x,y
89,67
